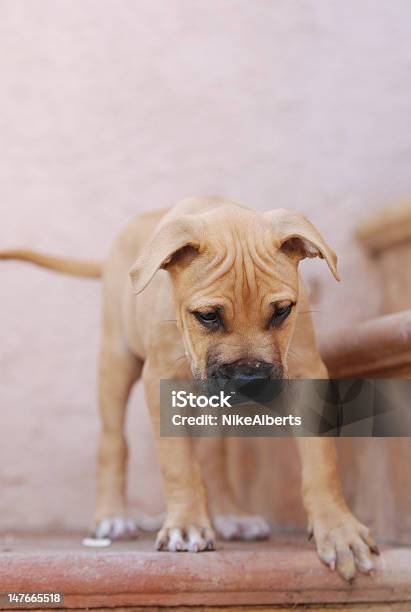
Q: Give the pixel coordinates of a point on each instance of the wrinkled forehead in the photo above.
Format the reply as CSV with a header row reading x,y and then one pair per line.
x,y
239,264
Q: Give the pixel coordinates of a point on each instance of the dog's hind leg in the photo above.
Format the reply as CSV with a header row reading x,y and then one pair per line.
x,y
229,520
118,370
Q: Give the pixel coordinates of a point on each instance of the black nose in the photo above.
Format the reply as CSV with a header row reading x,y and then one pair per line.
x,y
256,380
244,371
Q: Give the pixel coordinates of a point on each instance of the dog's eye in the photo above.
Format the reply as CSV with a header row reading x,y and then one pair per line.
x,y
208,316
281,312
210,320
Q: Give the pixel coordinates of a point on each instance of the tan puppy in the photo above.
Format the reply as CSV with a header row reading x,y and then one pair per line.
x,y
218,294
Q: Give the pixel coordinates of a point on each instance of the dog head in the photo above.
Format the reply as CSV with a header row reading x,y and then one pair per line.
x,y
235,282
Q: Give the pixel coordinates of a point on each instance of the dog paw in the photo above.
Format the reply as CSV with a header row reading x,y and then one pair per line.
x,y
116,528
241,527
343,543
191,539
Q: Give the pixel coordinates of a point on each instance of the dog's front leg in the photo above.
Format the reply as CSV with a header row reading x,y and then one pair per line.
x,y
187,525
341,540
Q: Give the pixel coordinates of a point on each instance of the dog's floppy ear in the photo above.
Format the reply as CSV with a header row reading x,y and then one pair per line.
x,y
297,236
164,247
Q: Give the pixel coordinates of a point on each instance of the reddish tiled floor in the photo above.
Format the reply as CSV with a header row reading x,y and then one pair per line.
x,y
282,571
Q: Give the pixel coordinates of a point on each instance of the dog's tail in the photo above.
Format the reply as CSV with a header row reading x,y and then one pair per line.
x,y
66,265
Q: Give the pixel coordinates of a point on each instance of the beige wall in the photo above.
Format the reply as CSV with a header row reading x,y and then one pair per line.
x,y
108,107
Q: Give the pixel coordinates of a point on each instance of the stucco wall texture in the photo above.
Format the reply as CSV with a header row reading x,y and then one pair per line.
x,y
111,107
